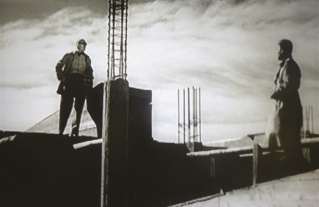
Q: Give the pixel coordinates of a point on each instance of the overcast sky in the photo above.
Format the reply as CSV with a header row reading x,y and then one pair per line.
x,y
227,48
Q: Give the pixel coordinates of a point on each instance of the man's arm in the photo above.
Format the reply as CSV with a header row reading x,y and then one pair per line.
x,y
290,81
89,69
88,76
59,66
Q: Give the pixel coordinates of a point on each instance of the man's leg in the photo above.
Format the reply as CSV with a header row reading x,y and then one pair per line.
x,y
65,110
79,103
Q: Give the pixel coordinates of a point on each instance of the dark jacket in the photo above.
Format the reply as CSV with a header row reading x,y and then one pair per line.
x,y
287,80
63,67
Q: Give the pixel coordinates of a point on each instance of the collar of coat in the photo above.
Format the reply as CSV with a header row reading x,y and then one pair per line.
x,y
285,61
79,53
281,65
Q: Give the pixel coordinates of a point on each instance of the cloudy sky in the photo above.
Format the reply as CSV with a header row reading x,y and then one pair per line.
x,y
227,48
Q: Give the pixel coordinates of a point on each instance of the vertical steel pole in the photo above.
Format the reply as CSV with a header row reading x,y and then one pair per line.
x,y
193,114
121,62
108,43
178,125
308,118
306,109
113,37
189,118
312,120
200,117
184,115
304,121
196,115
126,19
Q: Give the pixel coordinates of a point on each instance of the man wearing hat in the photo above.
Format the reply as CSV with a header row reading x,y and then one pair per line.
x,y
75,74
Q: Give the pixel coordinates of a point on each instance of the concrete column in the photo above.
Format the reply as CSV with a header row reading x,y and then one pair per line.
x,y
115,143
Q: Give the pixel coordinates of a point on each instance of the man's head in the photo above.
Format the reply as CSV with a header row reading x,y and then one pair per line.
x,y
285,49
81,44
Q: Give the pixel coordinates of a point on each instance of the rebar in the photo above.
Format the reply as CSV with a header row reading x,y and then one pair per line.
x,y
193,114
117,39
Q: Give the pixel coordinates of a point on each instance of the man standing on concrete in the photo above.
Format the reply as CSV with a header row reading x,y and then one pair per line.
x,y
286,120
75,74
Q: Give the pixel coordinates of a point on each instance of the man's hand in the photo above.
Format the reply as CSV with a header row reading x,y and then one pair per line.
x,y
60,76
275,96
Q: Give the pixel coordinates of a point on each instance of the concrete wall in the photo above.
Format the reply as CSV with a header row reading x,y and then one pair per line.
x,y
44,170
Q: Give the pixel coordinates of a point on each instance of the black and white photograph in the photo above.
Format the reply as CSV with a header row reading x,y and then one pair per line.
x,y
155,103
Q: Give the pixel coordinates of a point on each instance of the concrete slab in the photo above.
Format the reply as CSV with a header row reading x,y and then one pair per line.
x,y
298,190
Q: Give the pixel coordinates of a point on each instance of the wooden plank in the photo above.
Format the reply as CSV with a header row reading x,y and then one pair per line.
x,y
310,141
244,150
304,142
220,152
86,144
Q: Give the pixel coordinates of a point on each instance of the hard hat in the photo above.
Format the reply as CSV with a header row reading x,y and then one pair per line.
x,y
81,41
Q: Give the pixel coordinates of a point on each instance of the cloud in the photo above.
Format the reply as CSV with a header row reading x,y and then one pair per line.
x,y
30,50
227,48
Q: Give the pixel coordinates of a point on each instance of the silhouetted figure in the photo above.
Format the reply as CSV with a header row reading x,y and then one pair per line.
x,y
286,121
75,74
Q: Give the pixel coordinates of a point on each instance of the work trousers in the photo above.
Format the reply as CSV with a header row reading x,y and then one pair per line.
x,y
289,133
65,110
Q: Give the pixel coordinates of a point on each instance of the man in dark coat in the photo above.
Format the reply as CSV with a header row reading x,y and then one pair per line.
x,y
286,120
75,74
